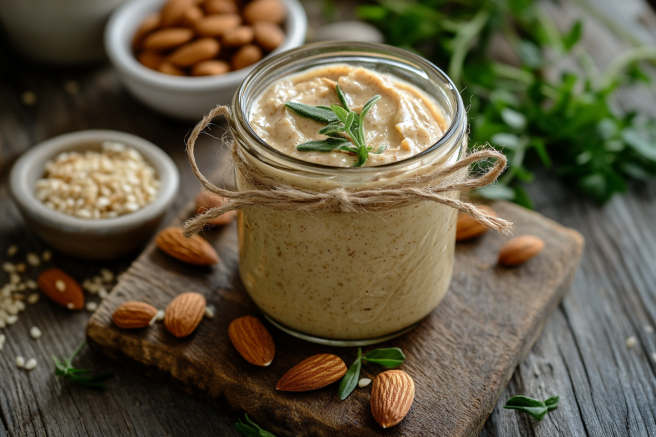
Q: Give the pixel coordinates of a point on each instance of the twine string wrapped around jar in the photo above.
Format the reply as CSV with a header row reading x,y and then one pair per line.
x,y
270,193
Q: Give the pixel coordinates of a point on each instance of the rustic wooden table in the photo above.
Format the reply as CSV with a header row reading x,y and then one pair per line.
x,y
606,389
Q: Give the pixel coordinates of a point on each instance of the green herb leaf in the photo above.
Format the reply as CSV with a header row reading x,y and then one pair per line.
x,y
315,113
391,357
342,98
340,112
351,378
533,407
323,146
251,429
365,109
65,369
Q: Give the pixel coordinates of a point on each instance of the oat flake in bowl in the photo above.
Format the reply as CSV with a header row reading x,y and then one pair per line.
x,y
92,185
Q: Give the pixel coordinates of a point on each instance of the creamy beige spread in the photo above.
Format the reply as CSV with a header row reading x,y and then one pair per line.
x,y
349,276
404,122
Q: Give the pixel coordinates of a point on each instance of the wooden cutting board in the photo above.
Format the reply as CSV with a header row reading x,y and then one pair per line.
x,y
460,357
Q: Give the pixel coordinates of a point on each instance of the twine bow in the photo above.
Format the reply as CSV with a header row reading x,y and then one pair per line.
x,y
268,192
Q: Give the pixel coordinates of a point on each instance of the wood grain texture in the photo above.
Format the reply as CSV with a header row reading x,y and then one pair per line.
x,y
460,357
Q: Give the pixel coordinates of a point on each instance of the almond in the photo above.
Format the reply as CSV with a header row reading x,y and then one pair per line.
x,y
217,25
391,397
237,36
150,59
271,11
210,68
168,38
149,24
520,249
252,340
246,56
61,289
221,7
194,52
192,15
168,68
173,12
313,373
132,315
184,313
468,228
192,250
206,200
268,35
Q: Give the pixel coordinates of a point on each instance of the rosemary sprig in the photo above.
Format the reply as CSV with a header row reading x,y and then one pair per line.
x,y
251,429
344,127
65,369
390,358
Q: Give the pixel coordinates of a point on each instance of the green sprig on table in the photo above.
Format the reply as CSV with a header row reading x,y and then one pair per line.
x,y
251,429
389,357
533,407
563,123
65,369
344,128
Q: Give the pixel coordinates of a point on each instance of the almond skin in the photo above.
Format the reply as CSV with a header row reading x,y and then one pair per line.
x,y
271,11
192,250
237,36
61,289
313,373
184,314
132,315
246,56
168,38
252,340
391,397
268,35
210,68
221,7
206,200
468,228
149,24
217,25
194,52
520,249
150,59
173,12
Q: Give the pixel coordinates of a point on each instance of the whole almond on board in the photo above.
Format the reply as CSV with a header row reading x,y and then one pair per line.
x,y
168,38
184,313
391,397
194,52
237,36
221,7
268,35
313,373
217,25
520,249
168,68
271,11
61,289
150,59
246,56
206,200
149,24
252,340
173,12
192,250
192,15
133,315
210,68
468,228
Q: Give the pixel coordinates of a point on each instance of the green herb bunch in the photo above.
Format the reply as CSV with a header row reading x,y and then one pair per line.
x,y
344,128
565,124
65,369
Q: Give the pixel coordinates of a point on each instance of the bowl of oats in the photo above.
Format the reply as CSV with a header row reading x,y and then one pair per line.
x,y
95,194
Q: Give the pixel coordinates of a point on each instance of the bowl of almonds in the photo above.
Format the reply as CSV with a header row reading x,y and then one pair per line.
x,y
183,57
95,194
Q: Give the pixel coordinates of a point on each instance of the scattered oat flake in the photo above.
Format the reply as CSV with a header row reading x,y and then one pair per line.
x,y
107,275
35,332
47,255
631,341
8,267
70,306
31,284
20,361
209,312
14,278
21,267
92,306
11,319
649,329
33,259
159,316
364,382
31,364
60,285
28,98
33,298
12,250
102,293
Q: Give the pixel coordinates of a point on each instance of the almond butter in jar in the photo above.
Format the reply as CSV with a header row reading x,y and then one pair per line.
x,y
348,278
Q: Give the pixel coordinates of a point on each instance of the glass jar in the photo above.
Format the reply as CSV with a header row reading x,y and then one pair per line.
x,y
347,278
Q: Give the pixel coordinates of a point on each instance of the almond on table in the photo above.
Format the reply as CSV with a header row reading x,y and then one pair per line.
x,y
192,250
391,397
468,228
520,249
184,314
61,289
206,200
313,373
133,315
252,340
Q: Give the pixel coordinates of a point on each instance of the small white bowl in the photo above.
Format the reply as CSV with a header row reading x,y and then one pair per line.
x,y
187,98
93,238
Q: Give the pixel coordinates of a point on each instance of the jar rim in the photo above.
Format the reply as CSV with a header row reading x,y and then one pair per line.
x,y
240,113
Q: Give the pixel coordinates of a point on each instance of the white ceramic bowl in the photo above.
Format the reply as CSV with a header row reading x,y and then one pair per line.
x,y
187,98
100,238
